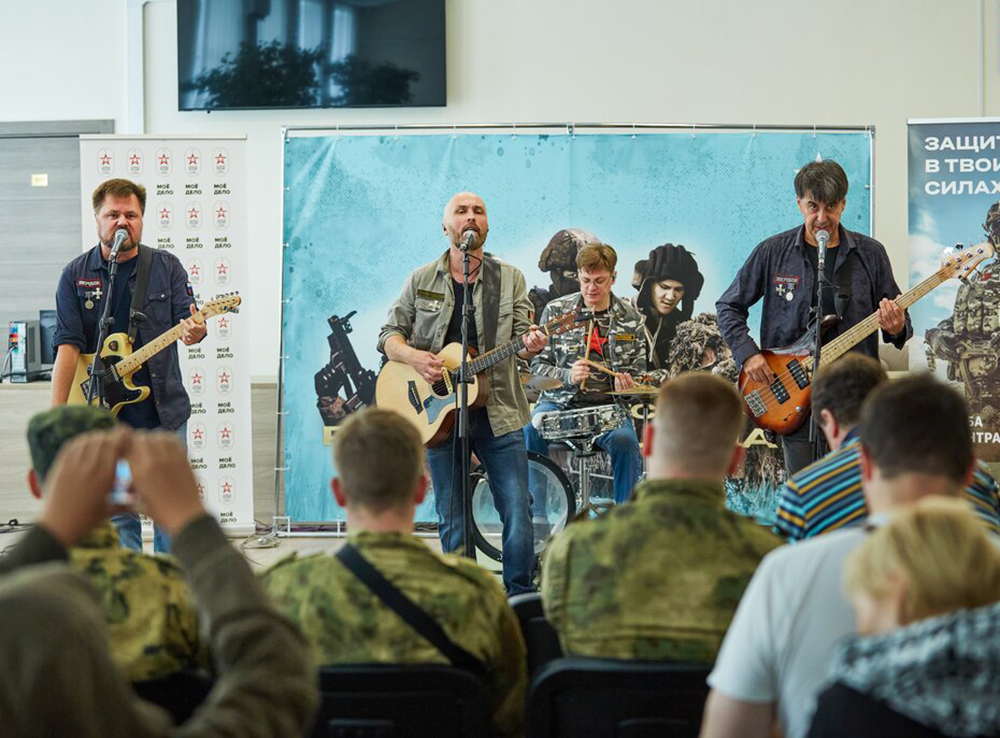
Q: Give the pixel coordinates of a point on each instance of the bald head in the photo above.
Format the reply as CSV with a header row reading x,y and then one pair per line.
x,y
696,428
465,211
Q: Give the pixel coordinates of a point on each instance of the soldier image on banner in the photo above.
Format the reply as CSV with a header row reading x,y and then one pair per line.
x,y
558,258
968,343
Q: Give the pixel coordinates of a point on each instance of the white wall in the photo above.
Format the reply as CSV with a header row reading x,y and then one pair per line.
x,y
715,61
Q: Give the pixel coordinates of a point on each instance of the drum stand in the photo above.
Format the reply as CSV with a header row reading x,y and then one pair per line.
x,y
583,451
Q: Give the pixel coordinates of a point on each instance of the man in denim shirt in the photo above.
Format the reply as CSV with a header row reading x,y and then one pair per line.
x,y
119,203
782,270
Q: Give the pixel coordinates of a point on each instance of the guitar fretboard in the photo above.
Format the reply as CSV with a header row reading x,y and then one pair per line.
x,y
864,328
484,361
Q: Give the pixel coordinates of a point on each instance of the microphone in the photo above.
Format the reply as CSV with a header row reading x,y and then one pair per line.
x,y
821,239
468,238
121,236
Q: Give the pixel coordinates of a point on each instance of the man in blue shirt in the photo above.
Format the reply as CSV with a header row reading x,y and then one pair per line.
x,y
119,203
782,272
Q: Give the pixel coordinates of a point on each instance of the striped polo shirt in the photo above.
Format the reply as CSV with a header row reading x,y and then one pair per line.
x,y
827,495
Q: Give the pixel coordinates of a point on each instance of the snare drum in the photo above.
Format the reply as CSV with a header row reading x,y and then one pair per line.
x,y
584,422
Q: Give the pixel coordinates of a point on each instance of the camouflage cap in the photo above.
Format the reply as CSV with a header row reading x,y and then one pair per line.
x,y
49,430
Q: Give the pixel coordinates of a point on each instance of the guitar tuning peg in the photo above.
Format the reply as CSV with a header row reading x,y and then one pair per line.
x,y
959,246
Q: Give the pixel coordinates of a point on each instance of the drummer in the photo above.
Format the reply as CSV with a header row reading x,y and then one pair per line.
x,y
611,337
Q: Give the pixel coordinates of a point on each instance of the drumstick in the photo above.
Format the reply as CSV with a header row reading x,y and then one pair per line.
x,y
604,369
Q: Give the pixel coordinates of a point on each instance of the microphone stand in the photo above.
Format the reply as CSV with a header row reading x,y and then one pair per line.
x,y
464,380
103,330
815,440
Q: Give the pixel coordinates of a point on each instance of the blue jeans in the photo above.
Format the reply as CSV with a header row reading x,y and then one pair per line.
x,y
130,526
621,444
506,463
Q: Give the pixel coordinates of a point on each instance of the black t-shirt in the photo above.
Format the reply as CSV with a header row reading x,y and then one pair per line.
x,y
829,306
596,388
454,334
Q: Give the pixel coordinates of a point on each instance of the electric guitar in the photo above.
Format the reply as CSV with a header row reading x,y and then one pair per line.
x,y
431,407
783,405
120,363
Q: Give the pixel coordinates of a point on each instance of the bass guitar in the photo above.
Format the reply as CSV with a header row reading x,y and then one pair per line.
x,y
783,405
120,363
431,407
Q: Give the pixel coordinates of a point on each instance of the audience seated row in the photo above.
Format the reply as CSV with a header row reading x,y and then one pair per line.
x,y
655,580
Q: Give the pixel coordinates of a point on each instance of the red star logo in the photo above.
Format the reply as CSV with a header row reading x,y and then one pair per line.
x,y
222,269
192,159
105,159
193,213
198,433
164,159
201,489
220,159
221,212
224,378
227,487
196,379
597,342
134,159
195,270
223,323
164,213
225,433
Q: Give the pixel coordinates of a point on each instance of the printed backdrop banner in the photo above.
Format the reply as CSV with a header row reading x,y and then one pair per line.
x,y
954,185
196,209
362,211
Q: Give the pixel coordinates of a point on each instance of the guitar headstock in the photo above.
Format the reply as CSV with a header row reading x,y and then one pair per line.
x,y
563,323
963,261
228,303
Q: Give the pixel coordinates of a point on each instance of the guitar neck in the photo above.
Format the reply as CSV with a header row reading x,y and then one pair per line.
x,y
484,361
860,331
151,349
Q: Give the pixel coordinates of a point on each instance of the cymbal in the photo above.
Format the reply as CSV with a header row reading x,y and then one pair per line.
x,y
538,383
640,390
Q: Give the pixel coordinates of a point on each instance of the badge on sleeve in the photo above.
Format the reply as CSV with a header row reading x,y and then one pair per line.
x,y
190,290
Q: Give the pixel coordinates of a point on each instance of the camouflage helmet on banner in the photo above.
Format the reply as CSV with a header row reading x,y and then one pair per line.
x,y
992,224
560,253
50,430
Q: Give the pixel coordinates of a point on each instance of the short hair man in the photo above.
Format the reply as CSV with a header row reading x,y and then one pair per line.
x,y
611,337
152,620
120,204
782,271
380,481
827,494
914,442
660,578
59,678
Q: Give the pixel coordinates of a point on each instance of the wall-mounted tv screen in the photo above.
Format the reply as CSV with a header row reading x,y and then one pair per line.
x,y
310,53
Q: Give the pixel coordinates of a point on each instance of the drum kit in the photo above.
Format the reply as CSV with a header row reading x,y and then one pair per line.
x,y
555,499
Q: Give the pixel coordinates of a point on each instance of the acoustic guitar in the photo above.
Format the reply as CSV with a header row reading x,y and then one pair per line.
x,y
120,362
783,405
431,407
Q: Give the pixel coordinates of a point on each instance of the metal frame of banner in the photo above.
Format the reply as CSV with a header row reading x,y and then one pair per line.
x,y
282,525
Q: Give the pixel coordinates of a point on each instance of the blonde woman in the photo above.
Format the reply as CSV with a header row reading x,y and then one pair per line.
x,y
927,661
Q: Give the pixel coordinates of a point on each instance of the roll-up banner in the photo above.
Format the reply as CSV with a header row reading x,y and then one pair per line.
x,y
196,209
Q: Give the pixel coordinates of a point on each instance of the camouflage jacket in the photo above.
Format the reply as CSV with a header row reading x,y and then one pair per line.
x,y
347,624
626,350
656,579
152,619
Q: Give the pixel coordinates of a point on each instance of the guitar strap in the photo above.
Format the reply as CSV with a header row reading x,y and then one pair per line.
x,y
139,292
844,281
491,303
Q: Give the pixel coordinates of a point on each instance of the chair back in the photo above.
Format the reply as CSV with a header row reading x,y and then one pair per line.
x,y
179,694
626,699
402,701
540,637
